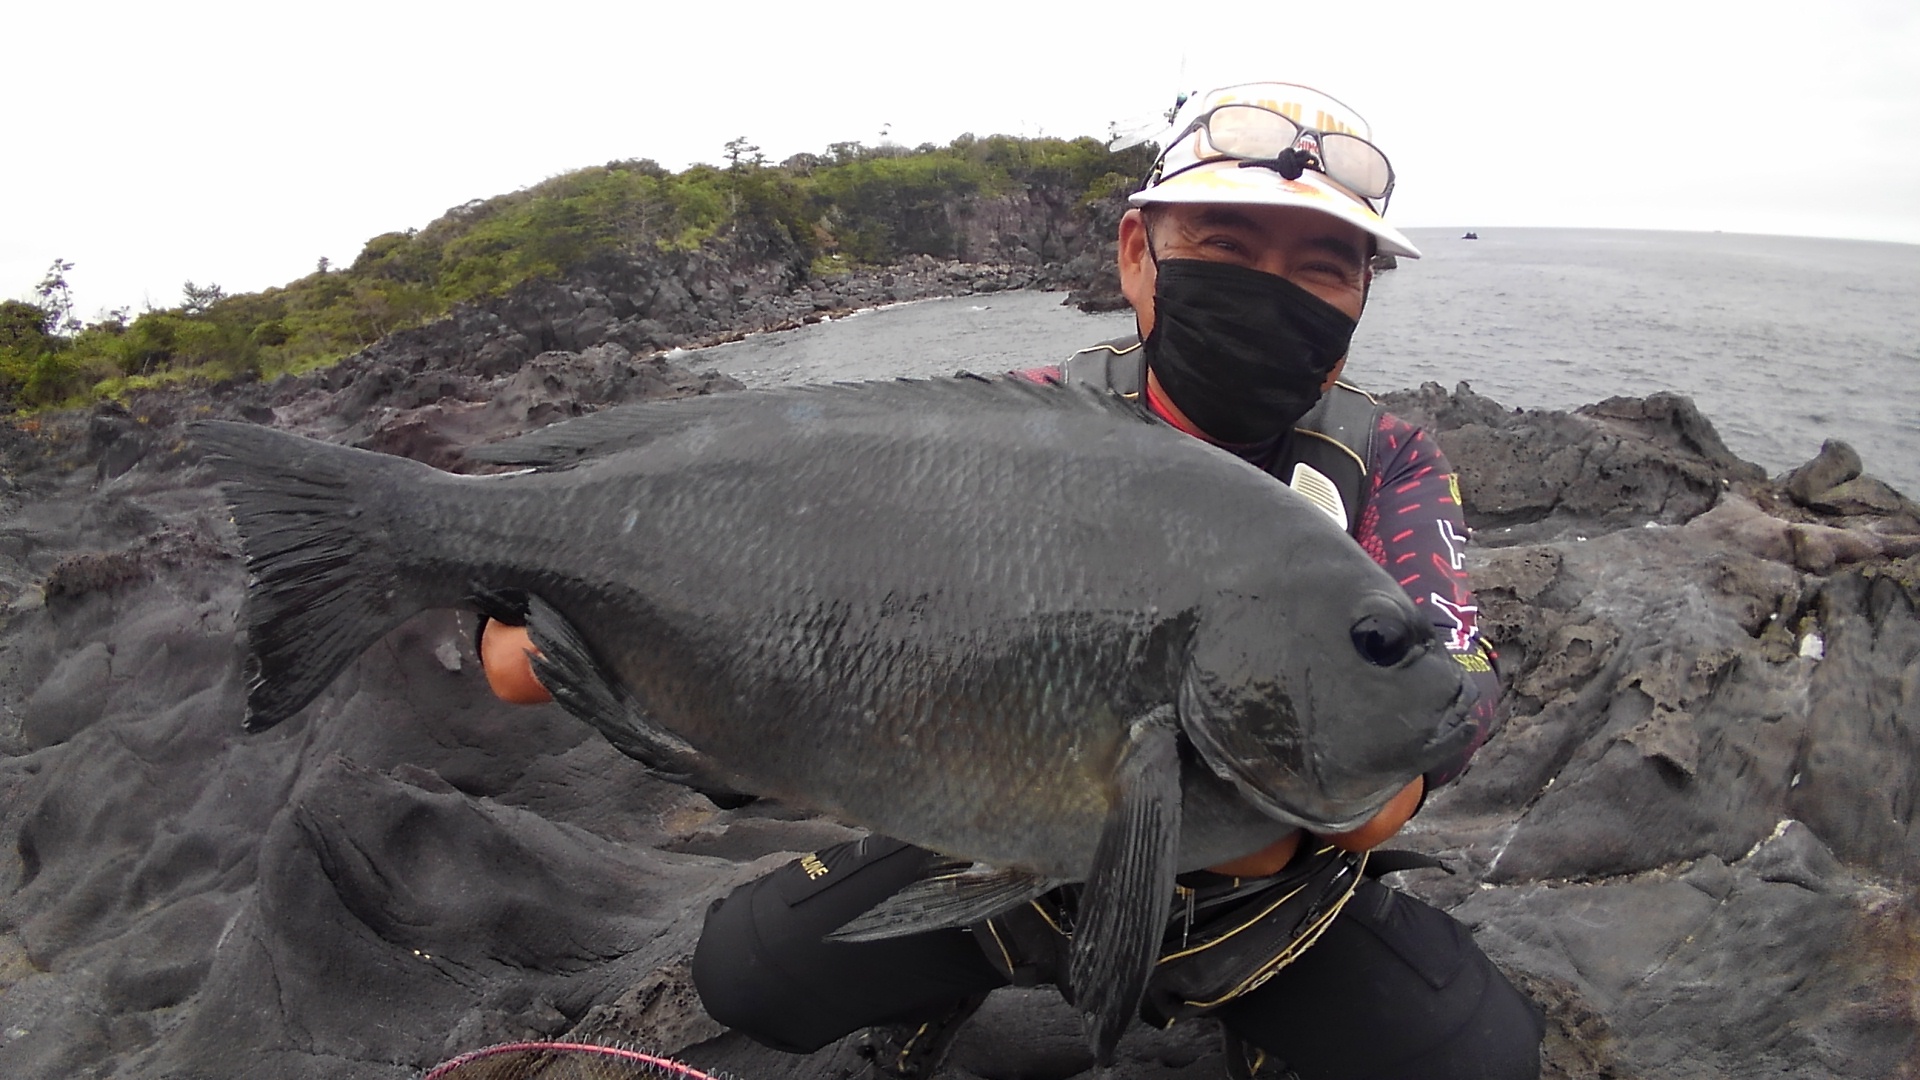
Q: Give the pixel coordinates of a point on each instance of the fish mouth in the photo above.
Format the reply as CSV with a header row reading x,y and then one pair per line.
x,y
1302,798
1456,727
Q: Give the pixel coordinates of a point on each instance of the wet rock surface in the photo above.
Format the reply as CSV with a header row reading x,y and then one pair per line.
x,y
1692,841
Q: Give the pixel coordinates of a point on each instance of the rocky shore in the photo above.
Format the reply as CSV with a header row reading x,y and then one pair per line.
x,y
1692,840
650,301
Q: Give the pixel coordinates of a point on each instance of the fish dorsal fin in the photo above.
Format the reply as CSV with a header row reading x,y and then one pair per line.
x,y
622,427
628,427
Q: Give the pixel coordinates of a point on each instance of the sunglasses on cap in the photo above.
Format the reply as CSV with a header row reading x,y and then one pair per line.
x,y
1257,136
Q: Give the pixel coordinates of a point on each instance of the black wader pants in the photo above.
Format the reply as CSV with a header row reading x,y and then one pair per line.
x,y
1394,989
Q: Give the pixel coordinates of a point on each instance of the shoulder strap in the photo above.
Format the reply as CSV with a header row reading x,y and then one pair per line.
x,y
1119,365
1325,459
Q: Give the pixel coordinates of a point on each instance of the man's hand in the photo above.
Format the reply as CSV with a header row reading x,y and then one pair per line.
x,y
1268,860
506,655
1383,825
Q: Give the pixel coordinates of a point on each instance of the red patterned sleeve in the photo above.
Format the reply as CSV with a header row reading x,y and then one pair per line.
x,y
1412,525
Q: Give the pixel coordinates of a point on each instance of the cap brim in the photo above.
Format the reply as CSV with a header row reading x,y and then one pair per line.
x,y
1227,182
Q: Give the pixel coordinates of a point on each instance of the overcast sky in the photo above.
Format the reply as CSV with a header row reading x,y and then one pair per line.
x,y
237,143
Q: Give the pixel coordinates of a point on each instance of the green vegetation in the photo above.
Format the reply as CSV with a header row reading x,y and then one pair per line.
x,y
820,213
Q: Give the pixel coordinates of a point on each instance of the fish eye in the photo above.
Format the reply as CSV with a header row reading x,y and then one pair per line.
x,y
1383,640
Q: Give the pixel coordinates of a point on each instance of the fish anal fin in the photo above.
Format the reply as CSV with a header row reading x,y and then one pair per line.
x,y
567,667
1129,892
948,897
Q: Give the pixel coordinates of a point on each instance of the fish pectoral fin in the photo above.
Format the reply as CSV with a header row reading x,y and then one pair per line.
x,y
1129,893
949,897
568,669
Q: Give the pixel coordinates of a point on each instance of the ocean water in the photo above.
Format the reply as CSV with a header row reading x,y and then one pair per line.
x,y
1782,341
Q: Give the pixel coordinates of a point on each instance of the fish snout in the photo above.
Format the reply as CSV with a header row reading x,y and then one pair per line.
x,y
1360,764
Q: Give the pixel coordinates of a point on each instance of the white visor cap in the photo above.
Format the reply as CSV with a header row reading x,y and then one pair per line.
x,y
1192,171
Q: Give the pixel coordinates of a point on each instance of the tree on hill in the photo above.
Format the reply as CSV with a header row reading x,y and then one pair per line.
x,y
199,299
56,299
741,153
32,368
23,326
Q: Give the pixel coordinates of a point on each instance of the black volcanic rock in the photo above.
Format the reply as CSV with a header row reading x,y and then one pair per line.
x,y
1692,840
1540,473
1835,464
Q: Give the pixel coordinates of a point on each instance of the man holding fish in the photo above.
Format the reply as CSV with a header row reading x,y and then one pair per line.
x,y
1138,658
1246,260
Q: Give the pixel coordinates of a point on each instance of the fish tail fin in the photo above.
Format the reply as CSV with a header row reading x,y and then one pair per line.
x,y
323,583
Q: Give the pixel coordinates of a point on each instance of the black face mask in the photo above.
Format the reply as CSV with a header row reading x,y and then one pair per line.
x,y
1242,352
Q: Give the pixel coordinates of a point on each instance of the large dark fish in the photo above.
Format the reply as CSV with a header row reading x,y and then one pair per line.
x,y
1018,624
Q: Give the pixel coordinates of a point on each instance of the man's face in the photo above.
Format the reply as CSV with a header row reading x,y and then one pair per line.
x,y
1321,254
